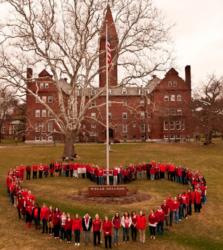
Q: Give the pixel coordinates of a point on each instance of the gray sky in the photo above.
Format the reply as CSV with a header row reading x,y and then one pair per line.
x,y
197,35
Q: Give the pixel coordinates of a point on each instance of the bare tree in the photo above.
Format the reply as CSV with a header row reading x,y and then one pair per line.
x,y
208,108
7,101
63,35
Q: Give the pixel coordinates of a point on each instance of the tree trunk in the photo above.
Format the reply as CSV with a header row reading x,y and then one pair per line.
x,y
69,149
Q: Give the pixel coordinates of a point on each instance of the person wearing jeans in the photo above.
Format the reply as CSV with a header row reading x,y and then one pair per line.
x,y
116,223
126,223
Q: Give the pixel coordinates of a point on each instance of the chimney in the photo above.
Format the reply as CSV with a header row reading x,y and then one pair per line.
x,y
188,75
29,73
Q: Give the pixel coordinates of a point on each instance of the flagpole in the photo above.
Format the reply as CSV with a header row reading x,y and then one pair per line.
x,y
107,107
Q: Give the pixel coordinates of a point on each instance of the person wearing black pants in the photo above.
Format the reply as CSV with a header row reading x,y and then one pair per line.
x,y
107,229
97,238
97,230
28,172
152,224
133,226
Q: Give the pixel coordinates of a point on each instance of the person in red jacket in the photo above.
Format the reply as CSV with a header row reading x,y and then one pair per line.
x,y
152,224
107,229
176,206
68,228
141,226
28,172
116,222
133,226
41,169
36,216
44,216
20,205
29,210
160,220
76,228
56,223
96,225
50,221
197,201
35,169
166,210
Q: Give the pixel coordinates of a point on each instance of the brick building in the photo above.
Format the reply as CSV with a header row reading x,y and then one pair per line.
x,y
158,111
13,124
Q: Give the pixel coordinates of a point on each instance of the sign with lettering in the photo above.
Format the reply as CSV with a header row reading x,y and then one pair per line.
x,y
107,191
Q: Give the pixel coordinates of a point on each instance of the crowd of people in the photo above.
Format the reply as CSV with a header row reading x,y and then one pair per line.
x,y
133,225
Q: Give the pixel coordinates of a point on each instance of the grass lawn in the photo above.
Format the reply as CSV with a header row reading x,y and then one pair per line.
x,y
201,231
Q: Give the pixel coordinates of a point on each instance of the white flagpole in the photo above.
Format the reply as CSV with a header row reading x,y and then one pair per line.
x,y
107,117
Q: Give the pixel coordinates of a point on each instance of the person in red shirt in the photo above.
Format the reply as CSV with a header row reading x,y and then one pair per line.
x,y
20,205
46,170
176,206
152,224
169,202
107,229
68,228
56,223
96,225
41,168
44,216
36,216
160,220
76,228
197,201
185,202
166,210
29,210
50,221
35,169
115,176
28,172
152,173
162,170
133,226
141,226
116,222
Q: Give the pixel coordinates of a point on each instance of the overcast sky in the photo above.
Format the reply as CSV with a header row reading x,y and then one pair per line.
x,y
197,35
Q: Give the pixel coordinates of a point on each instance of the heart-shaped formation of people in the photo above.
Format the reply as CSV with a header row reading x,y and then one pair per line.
x,y
60,224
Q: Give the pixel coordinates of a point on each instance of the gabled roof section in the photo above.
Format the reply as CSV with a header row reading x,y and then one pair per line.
x,y
172,71
44,73
152,84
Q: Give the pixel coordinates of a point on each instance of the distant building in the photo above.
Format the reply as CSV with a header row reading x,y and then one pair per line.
x,y
13,126
158,111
